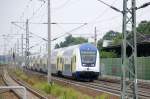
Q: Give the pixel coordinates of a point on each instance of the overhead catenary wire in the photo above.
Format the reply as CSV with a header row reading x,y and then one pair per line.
x,y
83,24
30,32
35,45
69,32
114,8
63,23
101,14
37,10
74,23
77,23
107,19
104,12
24,10
63,5
91,22
42,16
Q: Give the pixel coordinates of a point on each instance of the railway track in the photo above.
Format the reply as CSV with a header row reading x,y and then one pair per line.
x,y
143,91
109,87
6,93
31,94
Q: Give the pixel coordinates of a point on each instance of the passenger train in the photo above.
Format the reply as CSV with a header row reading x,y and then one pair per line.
x,y
78,61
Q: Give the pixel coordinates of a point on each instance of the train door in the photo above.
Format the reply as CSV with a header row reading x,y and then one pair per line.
x,y
61,63
41,64
73,66
57,63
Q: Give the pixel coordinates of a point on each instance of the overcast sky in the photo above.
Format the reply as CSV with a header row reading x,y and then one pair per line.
x,y
92,12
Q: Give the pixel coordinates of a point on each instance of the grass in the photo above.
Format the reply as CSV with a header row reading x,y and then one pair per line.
x,y
56,90
61,92
103,96
24,77
1,97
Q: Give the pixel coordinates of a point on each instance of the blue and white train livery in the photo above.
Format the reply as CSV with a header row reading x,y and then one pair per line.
x,y
78,61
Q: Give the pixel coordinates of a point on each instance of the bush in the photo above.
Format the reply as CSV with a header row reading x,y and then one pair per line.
x,y
24,77
44,87
104,54
60,92
57,90
18,72
103,96
31,82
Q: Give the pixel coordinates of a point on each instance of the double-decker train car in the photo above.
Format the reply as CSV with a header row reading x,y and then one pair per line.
x,y
78,61
44,64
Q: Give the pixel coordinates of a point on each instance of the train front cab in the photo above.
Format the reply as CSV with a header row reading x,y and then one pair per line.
x,y
87,63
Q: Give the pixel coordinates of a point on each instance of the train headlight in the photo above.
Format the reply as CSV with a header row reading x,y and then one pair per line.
x,y
84,64
92,65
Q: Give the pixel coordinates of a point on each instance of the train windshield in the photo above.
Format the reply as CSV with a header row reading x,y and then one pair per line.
x,y
88,57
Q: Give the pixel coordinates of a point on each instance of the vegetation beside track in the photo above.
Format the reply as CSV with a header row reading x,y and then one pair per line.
x,y
59,91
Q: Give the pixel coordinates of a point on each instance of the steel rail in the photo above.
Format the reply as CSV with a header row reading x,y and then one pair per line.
x,y
107,86
29,89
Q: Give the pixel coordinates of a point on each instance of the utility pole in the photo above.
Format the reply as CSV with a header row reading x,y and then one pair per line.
x,y
22,44
129,63
4,49
11,55
27,44
14,55
22,56
129,88
95,36
18,47
49,42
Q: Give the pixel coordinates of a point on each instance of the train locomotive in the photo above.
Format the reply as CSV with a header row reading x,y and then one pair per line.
x,y
78,62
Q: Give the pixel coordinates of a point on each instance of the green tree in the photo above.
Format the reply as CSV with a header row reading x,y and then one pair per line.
x,y
100,44
118,39
70,40
110,35
57,46
104,54
144,27
79,40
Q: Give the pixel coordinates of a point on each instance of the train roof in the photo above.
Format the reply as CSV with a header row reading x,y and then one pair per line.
x,y
69,50
80,46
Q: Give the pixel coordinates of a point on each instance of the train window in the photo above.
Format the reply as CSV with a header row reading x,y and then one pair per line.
x,y
88,56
